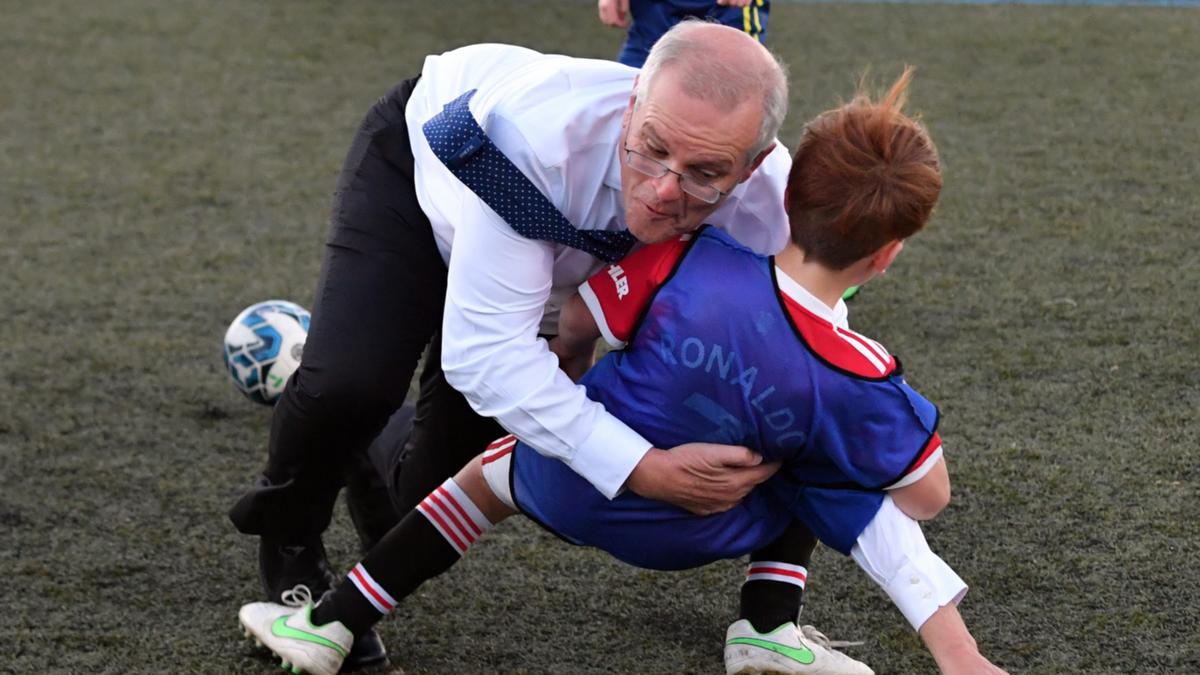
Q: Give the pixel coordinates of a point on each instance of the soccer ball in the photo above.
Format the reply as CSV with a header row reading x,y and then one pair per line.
x,y
263,347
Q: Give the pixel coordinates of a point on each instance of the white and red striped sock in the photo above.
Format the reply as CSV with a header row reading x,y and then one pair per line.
x,y
371,590
772,593
770,570
425,543
454,515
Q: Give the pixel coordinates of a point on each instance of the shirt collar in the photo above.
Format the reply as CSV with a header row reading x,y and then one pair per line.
x,y
836,315
612,177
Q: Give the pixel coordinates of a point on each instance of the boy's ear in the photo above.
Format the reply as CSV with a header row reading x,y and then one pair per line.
x,y
886,255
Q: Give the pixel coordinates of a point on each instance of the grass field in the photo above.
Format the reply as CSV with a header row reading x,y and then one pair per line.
x,y
163,164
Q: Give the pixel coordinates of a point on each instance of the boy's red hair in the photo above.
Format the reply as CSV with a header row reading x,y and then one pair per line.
x,y
864,175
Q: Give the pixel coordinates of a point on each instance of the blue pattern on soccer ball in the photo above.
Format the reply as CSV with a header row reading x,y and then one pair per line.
x,y
267,347
250,359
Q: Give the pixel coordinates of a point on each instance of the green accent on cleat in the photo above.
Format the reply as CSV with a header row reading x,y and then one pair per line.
x,y
801,655
281,629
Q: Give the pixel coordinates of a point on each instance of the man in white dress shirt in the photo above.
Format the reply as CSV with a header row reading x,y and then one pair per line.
x,y
416,258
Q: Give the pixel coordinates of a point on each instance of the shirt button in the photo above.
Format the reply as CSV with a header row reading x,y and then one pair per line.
x,y
914,579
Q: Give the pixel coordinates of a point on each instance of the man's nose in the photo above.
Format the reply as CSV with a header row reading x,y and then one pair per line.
x,y
667,187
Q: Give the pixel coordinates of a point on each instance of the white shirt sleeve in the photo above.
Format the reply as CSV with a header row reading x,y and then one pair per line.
x,y
892,551
497,289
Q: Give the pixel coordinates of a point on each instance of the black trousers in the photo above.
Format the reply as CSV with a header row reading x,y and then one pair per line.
x,y
378,305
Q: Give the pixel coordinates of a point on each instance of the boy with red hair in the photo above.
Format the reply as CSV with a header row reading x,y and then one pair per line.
x,y
744,349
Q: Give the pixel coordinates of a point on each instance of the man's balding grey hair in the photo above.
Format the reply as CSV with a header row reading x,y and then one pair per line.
x,y
714,79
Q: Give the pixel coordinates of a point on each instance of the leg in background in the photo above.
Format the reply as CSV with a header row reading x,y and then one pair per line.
x,y
445,435
378,302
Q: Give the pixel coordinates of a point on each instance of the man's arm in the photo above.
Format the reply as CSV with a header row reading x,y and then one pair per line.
x,y
704,478
497,287
575,344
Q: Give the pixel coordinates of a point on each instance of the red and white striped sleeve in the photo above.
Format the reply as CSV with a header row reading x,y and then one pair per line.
x,y
925,461
617,294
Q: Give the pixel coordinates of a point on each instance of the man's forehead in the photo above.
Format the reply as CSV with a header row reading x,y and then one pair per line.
x,y
697,123
667,96
650,133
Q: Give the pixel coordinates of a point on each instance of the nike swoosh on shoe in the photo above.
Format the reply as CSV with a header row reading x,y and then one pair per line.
x,y
281,629
799,655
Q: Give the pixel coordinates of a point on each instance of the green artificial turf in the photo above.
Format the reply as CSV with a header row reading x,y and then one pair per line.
x,y
164,164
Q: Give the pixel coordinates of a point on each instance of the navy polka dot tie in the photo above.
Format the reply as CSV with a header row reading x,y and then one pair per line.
x,y
458,140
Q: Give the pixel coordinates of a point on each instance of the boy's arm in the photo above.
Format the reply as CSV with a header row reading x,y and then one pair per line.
x,y
893,551
952,646
925,498
575,344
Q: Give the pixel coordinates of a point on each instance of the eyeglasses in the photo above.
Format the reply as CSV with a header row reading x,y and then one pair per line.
x,y
705,192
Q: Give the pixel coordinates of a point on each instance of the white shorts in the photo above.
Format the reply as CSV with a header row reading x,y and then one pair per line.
x,y
892,550
497,463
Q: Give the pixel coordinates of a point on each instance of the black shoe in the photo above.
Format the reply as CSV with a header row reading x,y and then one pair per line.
x,y
367,651
282,567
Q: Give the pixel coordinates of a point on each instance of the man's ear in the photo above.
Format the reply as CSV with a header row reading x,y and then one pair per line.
x,y
757,162
629,108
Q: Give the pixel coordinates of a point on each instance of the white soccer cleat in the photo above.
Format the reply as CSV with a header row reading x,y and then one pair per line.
x,y
787,650
290,634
